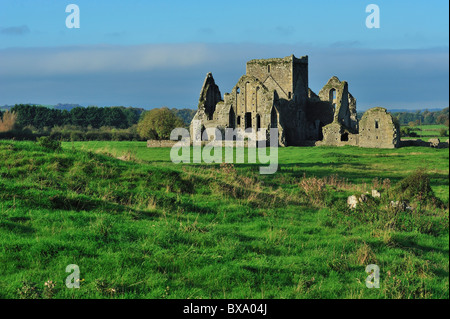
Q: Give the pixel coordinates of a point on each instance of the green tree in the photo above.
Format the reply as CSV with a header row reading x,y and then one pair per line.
x,y
132,115
94,116
114,116
158,123
185,114
442,119
78,116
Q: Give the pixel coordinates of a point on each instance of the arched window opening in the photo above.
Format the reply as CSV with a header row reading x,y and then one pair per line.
x,y
232,119
258,122
332,96
344,137
201,132
273,118
248,120
256,99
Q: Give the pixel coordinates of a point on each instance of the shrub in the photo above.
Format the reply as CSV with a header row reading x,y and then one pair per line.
x,y
158,124
417,187
443,132
407,132
18,134
48,143
77,136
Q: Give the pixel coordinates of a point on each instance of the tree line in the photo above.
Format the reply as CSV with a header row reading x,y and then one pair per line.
x,y
24,121
128,123
41,117
423,117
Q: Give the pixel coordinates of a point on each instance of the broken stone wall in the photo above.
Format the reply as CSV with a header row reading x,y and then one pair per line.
x,y
377,129
336,93
318,114
335,134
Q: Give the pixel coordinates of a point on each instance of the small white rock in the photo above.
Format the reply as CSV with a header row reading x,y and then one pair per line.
x,y
352,201
375,193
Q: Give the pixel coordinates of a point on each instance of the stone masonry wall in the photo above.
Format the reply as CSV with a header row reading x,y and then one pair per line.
x,y
160,143
377,129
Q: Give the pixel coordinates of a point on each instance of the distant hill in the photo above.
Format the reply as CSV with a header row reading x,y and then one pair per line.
x,y
68,107
5,107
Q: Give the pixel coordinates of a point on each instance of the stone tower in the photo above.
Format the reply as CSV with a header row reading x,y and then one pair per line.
x,y
288,76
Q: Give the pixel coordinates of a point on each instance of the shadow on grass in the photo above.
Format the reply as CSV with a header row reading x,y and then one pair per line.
x,y
16,228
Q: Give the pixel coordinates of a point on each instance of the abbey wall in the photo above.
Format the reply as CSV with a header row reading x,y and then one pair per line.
x,y
274,93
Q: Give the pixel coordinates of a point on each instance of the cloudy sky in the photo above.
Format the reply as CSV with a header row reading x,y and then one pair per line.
x,y
156,53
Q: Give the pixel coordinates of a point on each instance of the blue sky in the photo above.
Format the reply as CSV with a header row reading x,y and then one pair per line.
x,y
154,53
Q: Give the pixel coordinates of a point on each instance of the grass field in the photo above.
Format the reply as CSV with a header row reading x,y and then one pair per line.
x,y
143,227
425,132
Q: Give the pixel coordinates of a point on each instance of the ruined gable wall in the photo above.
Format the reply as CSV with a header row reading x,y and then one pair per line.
x,y
340,102
377,129
209,96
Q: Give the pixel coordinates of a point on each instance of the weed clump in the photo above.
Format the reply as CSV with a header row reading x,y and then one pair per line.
x,y
416,187
315,190
29,290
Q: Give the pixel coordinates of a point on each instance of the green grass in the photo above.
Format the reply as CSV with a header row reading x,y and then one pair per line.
x,y
148,228
425,132
359,165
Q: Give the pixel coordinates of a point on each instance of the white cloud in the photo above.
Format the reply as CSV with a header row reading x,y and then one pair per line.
x,y
98,59
172,74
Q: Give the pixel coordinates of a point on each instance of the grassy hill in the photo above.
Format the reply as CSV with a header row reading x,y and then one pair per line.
x,y
143,227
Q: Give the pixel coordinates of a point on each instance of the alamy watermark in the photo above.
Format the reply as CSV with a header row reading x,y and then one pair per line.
x,y
373,19
233,140
73,19
73,280
373,280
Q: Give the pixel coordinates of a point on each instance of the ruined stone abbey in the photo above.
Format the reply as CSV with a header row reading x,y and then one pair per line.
x,y
274,93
